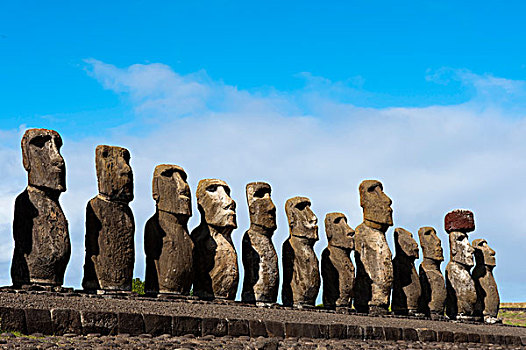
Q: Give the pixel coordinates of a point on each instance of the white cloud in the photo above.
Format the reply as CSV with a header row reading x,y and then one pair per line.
x,y
309,142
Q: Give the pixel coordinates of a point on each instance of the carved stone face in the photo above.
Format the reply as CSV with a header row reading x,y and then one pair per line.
x,y
302,221
171,191
460,249
431,244
114,172
339,233
42,159
261,208
375,203
405,243
215,204
484,255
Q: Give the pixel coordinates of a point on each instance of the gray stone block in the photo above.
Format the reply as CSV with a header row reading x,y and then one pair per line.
x,y
66,321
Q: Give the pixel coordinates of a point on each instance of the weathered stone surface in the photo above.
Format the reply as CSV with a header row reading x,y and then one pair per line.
x,y
66,321
301,276
460,220
167,243
237,328
110,227
129,323
12,319
433,297
214,326
216,273
260,261
488,299
38,321
337,269
157,324
374,269
40,229
182,325
99,322
461,293
406,284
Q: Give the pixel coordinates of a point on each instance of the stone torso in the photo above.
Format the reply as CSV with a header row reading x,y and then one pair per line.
x,y
433,285
461,296
260,262
168,248
406,286
301,276
488,299
337,271
374,269
216,273
110,252
42,244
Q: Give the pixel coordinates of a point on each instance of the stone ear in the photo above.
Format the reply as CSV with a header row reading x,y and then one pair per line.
x,y
155,189
25,153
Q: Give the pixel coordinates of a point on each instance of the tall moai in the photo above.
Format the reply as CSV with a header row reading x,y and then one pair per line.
x,y
337,269
301,275
260,261
216,273
488,299
406,284
433,297
40,229
110,227
167,243
460,287
374,269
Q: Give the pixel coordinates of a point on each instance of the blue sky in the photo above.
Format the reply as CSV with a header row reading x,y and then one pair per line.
x,y
427,96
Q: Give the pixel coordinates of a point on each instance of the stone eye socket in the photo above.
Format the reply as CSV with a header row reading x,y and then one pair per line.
x,y
338,220
302,205
371,189
167,173
212,188
105,154
260,193
40,141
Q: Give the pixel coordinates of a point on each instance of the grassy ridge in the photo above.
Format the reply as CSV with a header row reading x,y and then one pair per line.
x,y
514,318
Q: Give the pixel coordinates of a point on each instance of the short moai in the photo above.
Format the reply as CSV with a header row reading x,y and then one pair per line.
x,y
216,273
374,268
301,275
337,269
110,226
406,285
40,229
433,297
488,299
460,287
260,261
167,243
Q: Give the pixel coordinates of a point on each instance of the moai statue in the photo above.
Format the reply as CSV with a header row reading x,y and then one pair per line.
x,y
406,285
488,299
337,269
301,275
40,229
260,261
216,274
461,292
374,269
110,228
167,242
433,297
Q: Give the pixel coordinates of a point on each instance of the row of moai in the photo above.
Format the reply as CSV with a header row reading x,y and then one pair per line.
x,y
206,258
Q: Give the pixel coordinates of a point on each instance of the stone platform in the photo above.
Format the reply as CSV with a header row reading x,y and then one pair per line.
x,y
71,312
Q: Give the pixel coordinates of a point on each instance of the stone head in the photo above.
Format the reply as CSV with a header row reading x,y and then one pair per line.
x,y
339,233
431,244
302,221
114,173
460,220
484,255
260,206
216,206
405,243
460,249
171,191
375,203
42,159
